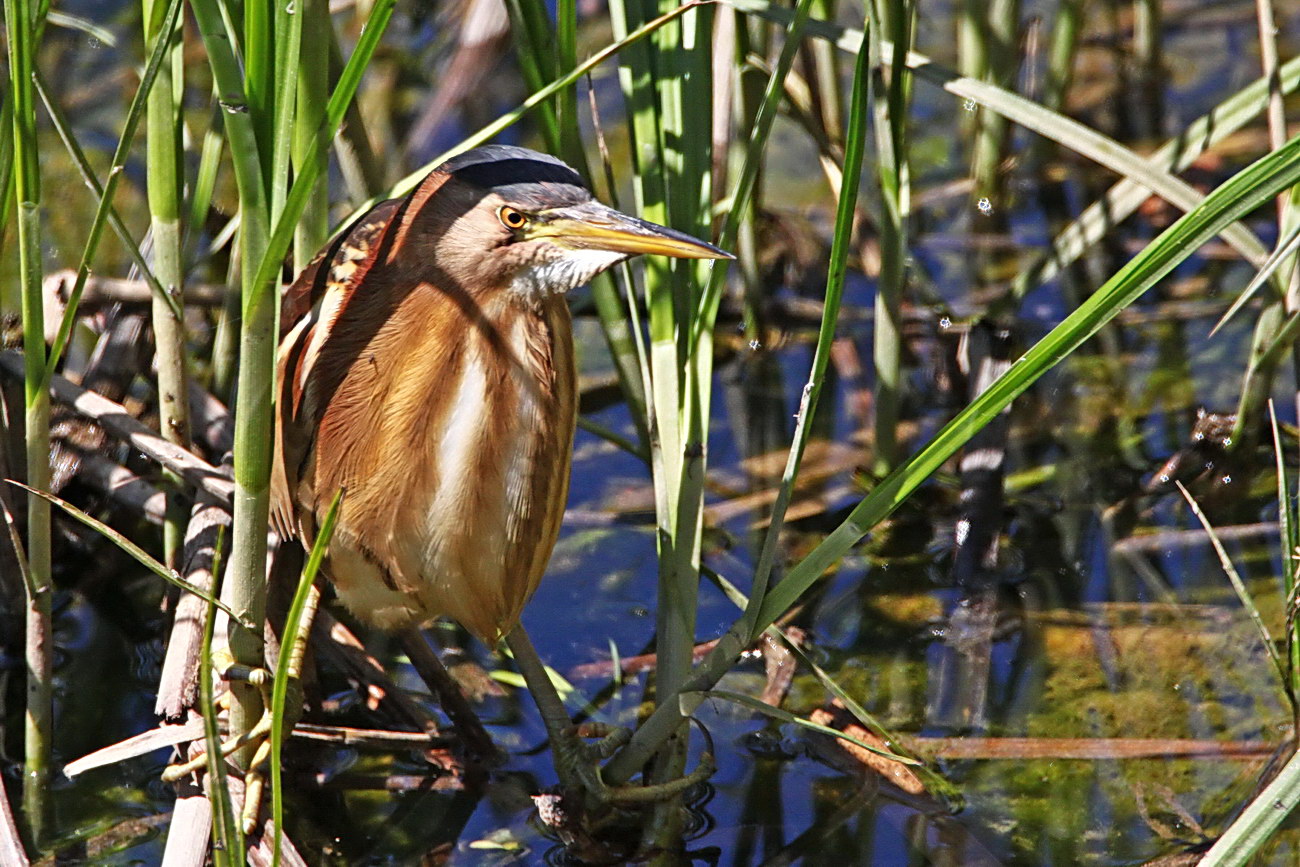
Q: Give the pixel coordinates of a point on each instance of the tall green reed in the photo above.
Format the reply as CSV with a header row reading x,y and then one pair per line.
x,y
679,473
309,140
39,712
259,101
671,160
988,40
166,187
10,294
889,108
243,588
22,24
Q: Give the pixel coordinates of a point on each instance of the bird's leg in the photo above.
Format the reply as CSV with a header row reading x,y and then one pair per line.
x,y
444,687
261,731
576,761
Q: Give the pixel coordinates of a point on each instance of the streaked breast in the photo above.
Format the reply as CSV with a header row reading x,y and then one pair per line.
x,y
452,431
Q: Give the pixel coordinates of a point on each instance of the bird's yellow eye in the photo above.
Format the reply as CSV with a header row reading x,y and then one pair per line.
x,y
510,218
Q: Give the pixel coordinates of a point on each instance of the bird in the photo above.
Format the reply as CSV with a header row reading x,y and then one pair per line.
x,y
427,370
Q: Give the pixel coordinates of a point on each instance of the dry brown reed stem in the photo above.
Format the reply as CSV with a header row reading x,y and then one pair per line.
x,y
137,745
190,828
11,846
378,739
122,486
102,291
178,685
342,649
116,420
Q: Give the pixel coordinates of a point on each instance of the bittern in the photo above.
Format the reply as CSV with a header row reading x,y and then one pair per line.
x,y
428,372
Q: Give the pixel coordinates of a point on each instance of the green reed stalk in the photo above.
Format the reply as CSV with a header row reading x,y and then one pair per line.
x,y
227,832
684,98
10,294
1062,47
972,50
364,175
1288,202
165,190
1147,28
224,359
281,237
1060,55
205,184
566,57
308,137
293,645
244,586
672,483
653,102
533,34
21,26
826,74
259,43
105,213
1002,58
225,341
748,96
742,208
287,29
1255,827
1275,327
1288,213
890,114
262,252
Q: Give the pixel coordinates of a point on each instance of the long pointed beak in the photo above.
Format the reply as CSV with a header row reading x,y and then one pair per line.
x,y
593,226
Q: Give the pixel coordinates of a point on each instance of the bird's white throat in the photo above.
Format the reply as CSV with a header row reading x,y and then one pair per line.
x,y
560,275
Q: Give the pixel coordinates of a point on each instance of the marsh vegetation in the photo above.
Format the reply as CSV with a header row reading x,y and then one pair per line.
x,y
954,521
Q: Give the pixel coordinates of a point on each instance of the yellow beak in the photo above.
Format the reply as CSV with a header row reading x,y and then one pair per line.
x,y
593,226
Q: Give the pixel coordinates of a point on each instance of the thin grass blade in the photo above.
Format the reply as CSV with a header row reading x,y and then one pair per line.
x,y
128,547
785,716
288,647
1237,585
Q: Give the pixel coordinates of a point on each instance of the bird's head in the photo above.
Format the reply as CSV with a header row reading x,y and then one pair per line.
x,y
509,217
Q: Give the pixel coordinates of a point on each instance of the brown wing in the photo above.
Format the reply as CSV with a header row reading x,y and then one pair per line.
x,y
310,303
350,252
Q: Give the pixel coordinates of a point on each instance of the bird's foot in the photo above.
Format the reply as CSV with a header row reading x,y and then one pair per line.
x,y
259,734
578,759
578,762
